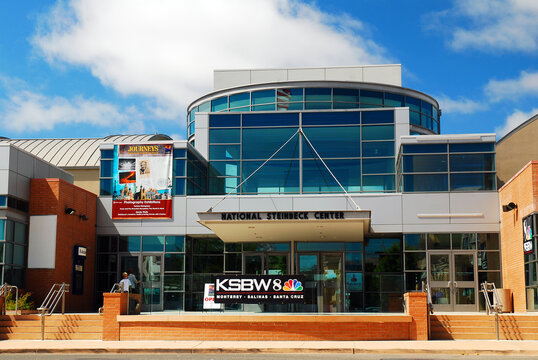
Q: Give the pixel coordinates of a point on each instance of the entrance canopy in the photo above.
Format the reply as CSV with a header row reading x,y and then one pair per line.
x,y
283,226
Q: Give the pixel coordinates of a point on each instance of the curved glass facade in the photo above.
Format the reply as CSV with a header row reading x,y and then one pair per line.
x,y
421,113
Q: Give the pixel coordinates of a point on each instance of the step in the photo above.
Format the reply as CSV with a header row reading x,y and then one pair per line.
x,y
462,330
65,336
463,336
72,330
20,336
19,317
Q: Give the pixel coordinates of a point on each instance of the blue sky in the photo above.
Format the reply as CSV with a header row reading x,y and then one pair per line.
x,y
92,68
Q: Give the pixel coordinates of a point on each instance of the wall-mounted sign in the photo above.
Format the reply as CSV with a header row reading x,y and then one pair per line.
x,y
528,233
259,289
288,215
209,298
142,178
82,251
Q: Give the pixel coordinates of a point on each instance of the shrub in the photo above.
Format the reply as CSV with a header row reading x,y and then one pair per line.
x,y
25,301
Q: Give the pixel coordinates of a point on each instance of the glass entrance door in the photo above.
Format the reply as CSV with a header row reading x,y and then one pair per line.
x,y
452,279
152,294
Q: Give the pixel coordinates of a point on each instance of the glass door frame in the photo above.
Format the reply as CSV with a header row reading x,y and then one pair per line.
x,y
152,307
265,261
465,284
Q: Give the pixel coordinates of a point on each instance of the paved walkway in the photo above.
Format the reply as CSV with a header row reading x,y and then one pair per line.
x,y
458,347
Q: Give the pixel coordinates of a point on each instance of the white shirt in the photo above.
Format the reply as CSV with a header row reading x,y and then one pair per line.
x,y
125,283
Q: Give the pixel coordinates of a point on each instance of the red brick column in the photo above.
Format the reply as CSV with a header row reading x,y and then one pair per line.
x,y
114,304
416,306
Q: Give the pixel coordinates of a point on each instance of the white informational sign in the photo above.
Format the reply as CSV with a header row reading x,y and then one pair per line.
x,y
209,298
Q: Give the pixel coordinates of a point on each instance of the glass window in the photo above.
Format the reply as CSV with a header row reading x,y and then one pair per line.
x,y
179,167
371,97
379,183
331,142
273,177
129,243
317,94
3,201
435,127
262,143
346,95
152,243
354,261
191,130
316,177
105,187
488,260
225,120
263,97
192,114
464,241
379,132
207,246
225,168
280,119
174,262
19,255
438,241
233,262
223,152
472,162
224,136
378,148
427,108
20,233
415,261
414,118
378,117
175,243
208,264
394,100
219,104
233,247
472,181
205,107
268,107
2,229
320,246
289,99
354,246
424,149
259,247
240,100
425,163
413,280
106,168
488,241
107,244
472,147
415,241
383,245
382,263
332,118
107,154
173,282
412,103
180,153
378,166
427,182
179,186
354,282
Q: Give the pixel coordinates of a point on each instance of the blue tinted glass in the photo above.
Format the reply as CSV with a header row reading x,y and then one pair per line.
x,y
152,243
472,181
219,104
425,163
378,148
378,117
427,108
105,187
106,168
472,162
239,109
2,232
192,114
179,186
179,153
331,142
346,95
332,118
179,167
224,136
394,100
424,149
191,128
238,100
472,147
3,202
435,113
262,247
317,105
274,177
279,119
429,182
269,107
317,94
262,143
175,244
221,186
378,166
412,103
291,106
379,132
320,246
354,246
223,152
436,127
382,246
426,121
379,183
129,243
343,105
371,97
205,107
225,168
107,154
317,179
263,97
414,118
232,120
285,96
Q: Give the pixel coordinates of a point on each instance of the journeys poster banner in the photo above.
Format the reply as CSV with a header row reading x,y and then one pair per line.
x,y
142,178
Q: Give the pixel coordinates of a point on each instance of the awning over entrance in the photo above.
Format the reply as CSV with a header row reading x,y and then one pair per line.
x,y
283,226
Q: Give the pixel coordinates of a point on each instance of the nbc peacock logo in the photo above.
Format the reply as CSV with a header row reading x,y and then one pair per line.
x,y
293,285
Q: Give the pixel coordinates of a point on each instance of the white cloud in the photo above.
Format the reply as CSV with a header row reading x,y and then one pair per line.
x,y
27,111
526,84
460,105
167,49
505,25
514,120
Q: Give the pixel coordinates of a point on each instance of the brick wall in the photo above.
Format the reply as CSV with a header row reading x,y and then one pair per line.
x,y
522,190
52,197
416,305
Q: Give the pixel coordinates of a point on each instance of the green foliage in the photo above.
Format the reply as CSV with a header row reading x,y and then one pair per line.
x,y
25,301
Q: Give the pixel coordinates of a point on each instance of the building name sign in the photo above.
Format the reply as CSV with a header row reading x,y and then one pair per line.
x,y
259,289
287,215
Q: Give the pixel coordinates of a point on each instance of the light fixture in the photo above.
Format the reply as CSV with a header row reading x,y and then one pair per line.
x,y
83,217
70,211
509,207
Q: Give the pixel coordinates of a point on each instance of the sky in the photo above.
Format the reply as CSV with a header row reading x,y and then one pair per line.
x,y
93,68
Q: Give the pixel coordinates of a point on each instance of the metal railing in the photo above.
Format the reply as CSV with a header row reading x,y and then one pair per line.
x,y
57,292
495,307
4,289
426,288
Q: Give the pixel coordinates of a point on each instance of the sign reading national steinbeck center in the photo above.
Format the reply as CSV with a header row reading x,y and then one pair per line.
x,y
259,289
142,177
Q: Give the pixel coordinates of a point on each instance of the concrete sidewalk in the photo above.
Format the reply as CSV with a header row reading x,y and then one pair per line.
x,y
448,347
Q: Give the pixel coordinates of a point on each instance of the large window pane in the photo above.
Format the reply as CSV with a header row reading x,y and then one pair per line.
x,y
371,97
346,95
415,261
428,182
425,163
378,148
488,241
464,241
262,143
263,97
174,262
438,241
394,100
332,118
289,99
273,177
320,246
488,260
219,104
208,264
175,243
378,117
225,168
383,245
317,94
223,152
279,119
380,132
354,261
239,100
129,243
383,263
106,168
152,243
331,142
20,233
378,183
415,241
207,246
424,149
472,147
472,162
378,166
225,120
472,181
316,177
412,103
224,136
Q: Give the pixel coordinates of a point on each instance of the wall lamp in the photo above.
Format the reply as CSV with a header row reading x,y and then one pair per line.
x,y
70,211
83,217
509,207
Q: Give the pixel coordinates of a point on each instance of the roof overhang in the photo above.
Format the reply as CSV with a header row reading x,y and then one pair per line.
x,y
284,226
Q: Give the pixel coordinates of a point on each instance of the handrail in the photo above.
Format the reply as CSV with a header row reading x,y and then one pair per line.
x,y
426,288
116,288
496,307
57,292
5,288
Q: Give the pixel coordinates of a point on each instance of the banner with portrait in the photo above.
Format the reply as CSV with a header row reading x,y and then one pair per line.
x,y
142,179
